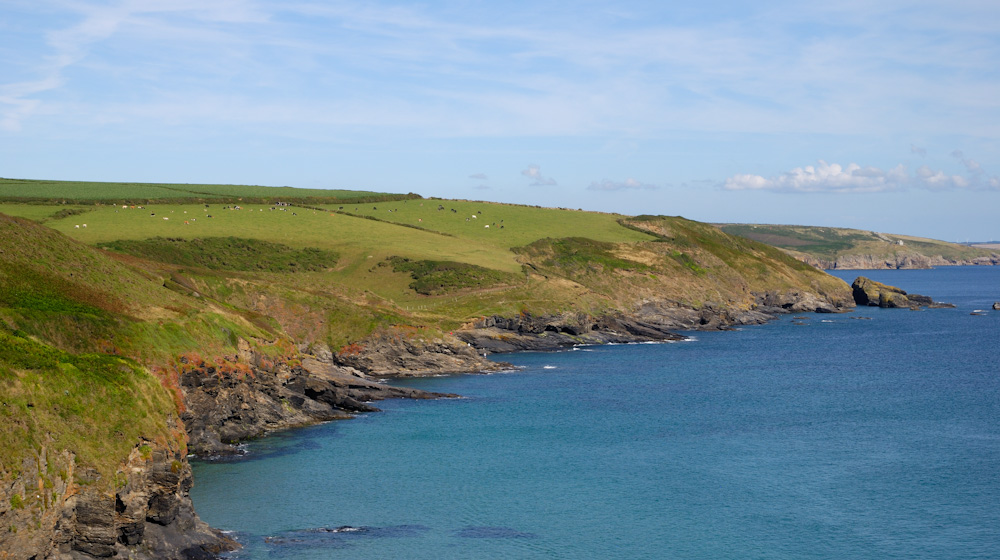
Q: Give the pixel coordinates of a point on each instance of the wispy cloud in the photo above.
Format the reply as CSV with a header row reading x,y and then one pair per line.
x,y
534,172
520,75
480,176
627,184
853,178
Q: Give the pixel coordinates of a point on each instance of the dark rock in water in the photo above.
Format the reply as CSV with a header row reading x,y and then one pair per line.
x,y
996,306
876,294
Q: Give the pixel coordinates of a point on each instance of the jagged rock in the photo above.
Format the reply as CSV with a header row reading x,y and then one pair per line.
x,y
868,292
224,408
397,355
996,306
652,321
147,516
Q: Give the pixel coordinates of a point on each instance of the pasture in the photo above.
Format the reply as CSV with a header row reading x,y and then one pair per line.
x,y
499,225
13,189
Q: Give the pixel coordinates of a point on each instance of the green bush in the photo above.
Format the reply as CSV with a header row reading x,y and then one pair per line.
x,y
228,253
441,277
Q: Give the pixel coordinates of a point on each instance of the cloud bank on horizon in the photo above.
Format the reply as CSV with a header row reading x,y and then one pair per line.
x,y
718,106
852,178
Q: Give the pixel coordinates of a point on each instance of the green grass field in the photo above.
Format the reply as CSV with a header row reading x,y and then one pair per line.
x,y
30,189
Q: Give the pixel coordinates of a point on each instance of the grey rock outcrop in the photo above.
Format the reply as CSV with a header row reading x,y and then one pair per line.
x,y
227,407
396,355
74,515
650,322
868,292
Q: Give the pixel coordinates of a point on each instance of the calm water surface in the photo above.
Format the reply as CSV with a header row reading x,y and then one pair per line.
x,y
874,434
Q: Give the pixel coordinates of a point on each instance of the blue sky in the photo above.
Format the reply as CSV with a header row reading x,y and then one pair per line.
x,y
875,115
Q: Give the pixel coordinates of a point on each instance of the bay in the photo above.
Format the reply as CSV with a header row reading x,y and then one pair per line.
x,y
874,434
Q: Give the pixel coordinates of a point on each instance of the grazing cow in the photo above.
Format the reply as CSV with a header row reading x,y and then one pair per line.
x,y
84,225
77,226
487,226
473,215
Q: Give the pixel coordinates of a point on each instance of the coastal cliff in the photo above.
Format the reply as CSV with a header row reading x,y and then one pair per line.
x,y
54,509
224,408
897,261
851,249
115,367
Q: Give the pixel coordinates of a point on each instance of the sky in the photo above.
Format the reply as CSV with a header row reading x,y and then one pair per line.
x,y
881,115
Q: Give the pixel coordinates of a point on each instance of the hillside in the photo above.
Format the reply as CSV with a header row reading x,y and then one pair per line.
x,y
843,248
134,333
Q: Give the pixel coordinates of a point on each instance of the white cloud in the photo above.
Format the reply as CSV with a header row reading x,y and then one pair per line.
x,y
627,184
534,172
834,178
914,149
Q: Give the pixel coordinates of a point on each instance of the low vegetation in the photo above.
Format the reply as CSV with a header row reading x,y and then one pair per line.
x,y
445,277
227,253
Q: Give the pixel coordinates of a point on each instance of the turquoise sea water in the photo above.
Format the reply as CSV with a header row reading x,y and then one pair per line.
x,y
831,436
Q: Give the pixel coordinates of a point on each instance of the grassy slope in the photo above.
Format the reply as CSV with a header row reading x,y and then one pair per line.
x,y
87,345
830,243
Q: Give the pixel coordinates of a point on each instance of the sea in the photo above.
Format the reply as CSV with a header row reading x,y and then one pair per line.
x,y
872,434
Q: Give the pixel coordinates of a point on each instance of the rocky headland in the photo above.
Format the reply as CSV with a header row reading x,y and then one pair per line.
x,y
224,408
651,322
868,292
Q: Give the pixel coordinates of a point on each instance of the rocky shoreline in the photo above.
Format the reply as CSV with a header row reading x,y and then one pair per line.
x,y
150,514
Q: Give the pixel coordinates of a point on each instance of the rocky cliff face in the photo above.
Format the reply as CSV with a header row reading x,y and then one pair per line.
x,y
388,355
652,321
54,510
225,407
898,261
